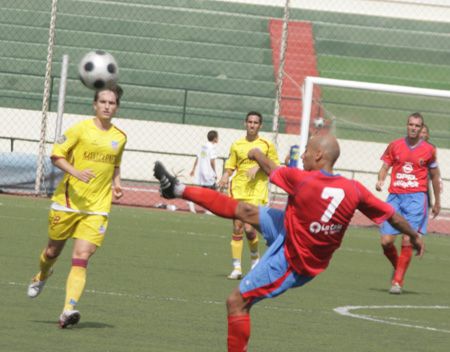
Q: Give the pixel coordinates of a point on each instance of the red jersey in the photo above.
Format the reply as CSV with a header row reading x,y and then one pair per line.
x,y
409,165
320,207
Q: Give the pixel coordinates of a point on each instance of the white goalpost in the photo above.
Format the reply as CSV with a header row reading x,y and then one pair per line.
x,y
311,82
366,116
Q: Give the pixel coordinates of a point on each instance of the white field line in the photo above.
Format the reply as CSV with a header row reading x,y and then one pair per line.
x,y
154,298
346,311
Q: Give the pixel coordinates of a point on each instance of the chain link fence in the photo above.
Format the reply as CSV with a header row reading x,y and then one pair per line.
x,y
190,66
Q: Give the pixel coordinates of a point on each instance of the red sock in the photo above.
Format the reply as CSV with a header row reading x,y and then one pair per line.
x,y
391,253
215,202
403,263
238,332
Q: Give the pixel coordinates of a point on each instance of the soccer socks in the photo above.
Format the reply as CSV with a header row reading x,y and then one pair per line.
x,y
45,264
216,202
236,250
391,253
75,283
403,263
238,332
253,240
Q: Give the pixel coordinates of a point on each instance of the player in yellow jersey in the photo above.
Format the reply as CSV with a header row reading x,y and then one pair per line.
x,y
249,184
90,154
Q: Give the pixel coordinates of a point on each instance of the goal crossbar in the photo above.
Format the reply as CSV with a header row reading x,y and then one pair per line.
x,y
310,82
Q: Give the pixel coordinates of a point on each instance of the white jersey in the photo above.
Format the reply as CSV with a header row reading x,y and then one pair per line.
x,y
206,175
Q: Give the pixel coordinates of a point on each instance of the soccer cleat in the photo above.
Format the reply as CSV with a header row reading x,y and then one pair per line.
x,y
395,289
69,318
36,286
255,262
167,182
236,274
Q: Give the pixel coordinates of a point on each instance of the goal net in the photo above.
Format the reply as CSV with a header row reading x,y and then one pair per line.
x,y
365,117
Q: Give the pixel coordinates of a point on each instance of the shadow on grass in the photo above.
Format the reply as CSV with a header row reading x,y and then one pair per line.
x,y
82,325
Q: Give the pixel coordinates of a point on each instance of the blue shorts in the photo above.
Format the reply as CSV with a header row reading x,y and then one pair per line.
x,y
273,275
413,207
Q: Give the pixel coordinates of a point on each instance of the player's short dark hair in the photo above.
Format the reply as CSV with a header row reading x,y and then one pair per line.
x,y
417,115
116,89
254,113
212,135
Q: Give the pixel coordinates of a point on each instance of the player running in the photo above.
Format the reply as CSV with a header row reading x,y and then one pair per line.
x,y
303,237
90,153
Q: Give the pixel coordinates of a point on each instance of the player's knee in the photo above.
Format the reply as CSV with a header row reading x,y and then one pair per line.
x,y
246,212
387,241
235,302
52,252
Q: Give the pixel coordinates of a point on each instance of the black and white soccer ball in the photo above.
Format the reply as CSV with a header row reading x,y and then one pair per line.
x,y
319,122
98,69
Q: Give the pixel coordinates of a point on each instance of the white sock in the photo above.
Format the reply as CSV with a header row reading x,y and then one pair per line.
x,y
179,189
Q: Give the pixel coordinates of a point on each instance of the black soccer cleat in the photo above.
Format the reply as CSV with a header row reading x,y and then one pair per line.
x,y
167,182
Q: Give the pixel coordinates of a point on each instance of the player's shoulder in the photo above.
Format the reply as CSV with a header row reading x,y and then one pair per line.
x,y
264,140
120,132
398,142
428,145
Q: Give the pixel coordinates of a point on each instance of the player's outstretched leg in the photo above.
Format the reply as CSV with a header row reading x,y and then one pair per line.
x,y
167,182
214,201
69,318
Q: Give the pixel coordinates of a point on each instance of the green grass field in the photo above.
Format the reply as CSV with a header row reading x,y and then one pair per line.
x,y
158,284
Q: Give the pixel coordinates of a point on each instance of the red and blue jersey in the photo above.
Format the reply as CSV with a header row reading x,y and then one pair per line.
x,y
320,207
410,165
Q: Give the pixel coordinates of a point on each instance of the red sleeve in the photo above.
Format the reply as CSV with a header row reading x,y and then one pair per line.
x,y
286,178
387,155
372,207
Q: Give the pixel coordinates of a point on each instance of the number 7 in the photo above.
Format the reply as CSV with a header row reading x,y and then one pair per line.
x,y
336,195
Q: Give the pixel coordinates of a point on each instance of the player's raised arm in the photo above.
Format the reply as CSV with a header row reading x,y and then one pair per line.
x,y
263,161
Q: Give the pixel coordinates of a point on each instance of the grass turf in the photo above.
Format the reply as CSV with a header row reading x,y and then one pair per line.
x,y
158,284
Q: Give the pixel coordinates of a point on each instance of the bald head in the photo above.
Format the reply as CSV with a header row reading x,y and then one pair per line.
x,y
321,152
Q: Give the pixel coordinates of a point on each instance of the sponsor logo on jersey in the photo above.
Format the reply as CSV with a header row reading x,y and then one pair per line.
x,y
408,168
328,229
100,157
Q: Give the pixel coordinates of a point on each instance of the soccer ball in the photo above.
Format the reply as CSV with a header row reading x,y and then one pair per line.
x,y
98,69
319,122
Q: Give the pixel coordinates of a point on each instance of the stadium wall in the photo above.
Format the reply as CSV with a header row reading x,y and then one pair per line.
x,y
141,153
425,10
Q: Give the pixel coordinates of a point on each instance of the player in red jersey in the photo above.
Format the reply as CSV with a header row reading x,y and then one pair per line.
x,y
411,159
302,238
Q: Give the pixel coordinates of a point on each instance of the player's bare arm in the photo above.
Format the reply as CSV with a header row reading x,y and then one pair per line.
x,y
194,167
264,162
83,175
382,174
223,182
400,223
117,187
435,175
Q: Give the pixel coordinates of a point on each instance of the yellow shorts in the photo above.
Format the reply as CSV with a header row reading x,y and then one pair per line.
x,y
253,201
63,225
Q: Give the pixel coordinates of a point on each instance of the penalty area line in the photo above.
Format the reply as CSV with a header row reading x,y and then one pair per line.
x,y
347,311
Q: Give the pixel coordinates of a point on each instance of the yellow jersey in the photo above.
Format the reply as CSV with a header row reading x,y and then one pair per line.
x,y
86,146
254,191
